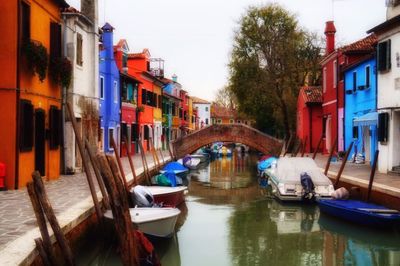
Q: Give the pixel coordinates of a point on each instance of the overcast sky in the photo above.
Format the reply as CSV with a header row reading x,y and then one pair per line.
x,y
194,37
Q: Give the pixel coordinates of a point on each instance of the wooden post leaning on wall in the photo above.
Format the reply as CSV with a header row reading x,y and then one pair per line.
x,y
155,156
318,145
372,174
288,145
44,246
85,162
120,209
48,211
328,163
121,169
299,146
304,147
346,156
130,160
144,163
170,150
96,170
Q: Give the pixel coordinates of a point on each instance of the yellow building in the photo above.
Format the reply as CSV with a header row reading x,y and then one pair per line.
x,y
30,100
192,124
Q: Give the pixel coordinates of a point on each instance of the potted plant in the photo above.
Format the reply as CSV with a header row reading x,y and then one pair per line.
x,y
60,70
36,57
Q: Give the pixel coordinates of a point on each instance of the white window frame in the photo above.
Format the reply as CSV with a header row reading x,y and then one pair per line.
x,y
115,89
231,121
102,87
219,121
102,138
109,139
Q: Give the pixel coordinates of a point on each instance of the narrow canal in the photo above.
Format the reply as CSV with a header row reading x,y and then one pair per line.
x,y
228,219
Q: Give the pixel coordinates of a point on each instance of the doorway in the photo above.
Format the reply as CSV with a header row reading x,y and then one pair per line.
x,y
40,141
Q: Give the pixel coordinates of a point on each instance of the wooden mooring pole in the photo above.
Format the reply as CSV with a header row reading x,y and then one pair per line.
x,y
48,211
120,209
288,143
304,147
346,156
85,162
300,145
372,174
130,160
317,148
328,163
121,169
144,163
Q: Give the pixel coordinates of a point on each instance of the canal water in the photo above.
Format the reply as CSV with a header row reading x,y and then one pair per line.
x,y
228,219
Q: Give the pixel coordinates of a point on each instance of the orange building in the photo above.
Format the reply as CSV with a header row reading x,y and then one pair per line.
x,y
223,115
30,107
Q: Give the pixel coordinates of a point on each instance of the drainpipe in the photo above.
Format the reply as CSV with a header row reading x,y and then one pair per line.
x,y
17,98
63,101
337,101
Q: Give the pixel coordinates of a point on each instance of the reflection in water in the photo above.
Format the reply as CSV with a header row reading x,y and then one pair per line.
x,y
229,220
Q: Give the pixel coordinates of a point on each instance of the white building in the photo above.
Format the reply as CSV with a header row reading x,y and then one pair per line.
x,y
203,111
388,67
81,40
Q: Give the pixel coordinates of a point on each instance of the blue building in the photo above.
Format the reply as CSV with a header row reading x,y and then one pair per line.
x,y
110,100
361,117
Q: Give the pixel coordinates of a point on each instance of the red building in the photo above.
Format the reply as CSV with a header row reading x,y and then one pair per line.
x,y
184,111
309,116
333,86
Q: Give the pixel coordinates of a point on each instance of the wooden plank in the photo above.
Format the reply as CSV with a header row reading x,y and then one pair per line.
x,y
96,170
51,217
85,163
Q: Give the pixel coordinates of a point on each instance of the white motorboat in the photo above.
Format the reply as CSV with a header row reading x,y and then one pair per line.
x,y
158,222
190,162
286,179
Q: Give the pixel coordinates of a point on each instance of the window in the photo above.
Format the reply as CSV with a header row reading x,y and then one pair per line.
x,y
144,96
219,121
26,126
354,81
384,60
124,131
79,46
355,132
231,121
206,121
334,73
55,127
206,108
238,121
324,80
110,136
25,26
185,116
101,87
383,127
124,60
55,40
115,91
367,76
101,139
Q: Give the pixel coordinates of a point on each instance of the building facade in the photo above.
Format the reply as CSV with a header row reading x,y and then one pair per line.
x,y
203,111
109,92
309,117
30,96
81,46
388,68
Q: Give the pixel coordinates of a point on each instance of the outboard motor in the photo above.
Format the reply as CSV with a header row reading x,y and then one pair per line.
x,y
308,186
142,197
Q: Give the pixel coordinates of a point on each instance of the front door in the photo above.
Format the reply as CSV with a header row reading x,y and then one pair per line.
x,y
40,141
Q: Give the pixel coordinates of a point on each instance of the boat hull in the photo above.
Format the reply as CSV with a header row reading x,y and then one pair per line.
x,y
168,196
356,212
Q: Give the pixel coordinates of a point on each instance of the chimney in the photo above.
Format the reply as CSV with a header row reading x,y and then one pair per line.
x,y
330,31
90,9
174,78
108,36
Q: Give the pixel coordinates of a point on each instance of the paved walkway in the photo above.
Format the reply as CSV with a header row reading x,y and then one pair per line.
x,y
71,199
358,174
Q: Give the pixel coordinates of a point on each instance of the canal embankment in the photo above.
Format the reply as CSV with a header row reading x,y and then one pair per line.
x,y
71,199
355,177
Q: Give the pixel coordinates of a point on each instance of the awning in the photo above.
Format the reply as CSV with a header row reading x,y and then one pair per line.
x,y
369,119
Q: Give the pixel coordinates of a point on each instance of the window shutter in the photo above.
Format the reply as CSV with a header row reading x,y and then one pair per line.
x,y
55,127
26,126
79,58
383,126
25,22
55,40
355,132
144,98
388,50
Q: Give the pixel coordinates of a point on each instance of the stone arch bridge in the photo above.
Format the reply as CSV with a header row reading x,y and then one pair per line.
x,y
237,133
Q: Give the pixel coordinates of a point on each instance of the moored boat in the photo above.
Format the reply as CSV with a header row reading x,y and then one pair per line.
x,y
360,212
157,222
168,196
298,179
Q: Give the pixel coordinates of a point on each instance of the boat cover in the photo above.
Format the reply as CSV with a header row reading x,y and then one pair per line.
x,y
174,166
262,165
289,171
